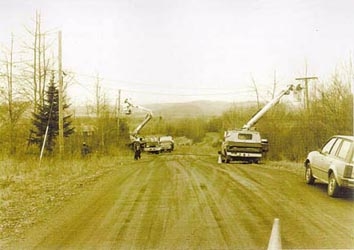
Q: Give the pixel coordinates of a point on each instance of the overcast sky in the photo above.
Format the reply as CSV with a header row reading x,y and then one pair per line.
x,y
181,50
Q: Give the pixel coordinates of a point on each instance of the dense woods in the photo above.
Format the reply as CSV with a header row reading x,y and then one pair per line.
x,y
292,130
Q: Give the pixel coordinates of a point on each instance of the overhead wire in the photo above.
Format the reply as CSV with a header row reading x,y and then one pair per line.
x,y
159,89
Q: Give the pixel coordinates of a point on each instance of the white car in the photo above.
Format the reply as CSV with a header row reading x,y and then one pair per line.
x,y
332,164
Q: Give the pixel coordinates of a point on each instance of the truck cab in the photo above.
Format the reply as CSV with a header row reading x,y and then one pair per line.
x,y
166,143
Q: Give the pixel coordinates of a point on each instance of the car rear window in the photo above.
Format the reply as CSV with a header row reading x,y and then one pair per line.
x,y
335,147
245,136
344,150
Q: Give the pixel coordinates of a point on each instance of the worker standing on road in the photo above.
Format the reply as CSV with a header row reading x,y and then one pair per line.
x,y
137,150
85,150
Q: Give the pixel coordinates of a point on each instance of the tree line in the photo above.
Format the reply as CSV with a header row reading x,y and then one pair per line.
x,y
291,129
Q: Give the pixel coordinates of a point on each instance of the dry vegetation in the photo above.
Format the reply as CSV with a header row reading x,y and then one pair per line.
x,y
28,191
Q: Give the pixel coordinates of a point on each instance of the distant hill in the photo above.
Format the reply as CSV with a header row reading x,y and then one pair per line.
x,y
180,110
189,109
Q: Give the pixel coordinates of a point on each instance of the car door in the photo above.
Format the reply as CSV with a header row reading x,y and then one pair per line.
x,y
331,160
321,162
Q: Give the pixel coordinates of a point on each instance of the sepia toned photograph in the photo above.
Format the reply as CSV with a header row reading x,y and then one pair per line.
x,y
186,124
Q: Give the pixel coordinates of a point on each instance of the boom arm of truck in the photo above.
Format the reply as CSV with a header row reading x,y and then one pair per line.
x,y
270,105
134,134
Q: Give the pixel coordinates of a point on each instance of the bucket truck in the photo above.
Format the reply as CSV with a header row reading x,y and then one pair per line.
x,y
246,144
134,135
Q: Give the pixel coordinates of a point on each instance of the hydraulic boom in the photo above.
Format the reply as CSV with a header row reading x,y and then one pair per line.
x,y
268,106
134,135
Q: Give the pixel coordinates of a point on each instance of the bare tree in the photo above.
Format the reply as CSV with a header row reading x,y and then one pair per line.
x,y
14,108
39,65
256,90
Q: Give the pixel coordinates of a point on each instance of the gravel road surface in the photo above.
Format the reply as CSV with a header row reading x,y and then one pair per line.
x,y
172,201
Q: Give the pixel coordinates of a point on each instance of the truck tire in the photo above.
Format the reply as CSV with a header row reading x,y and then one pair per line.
x,y
227,159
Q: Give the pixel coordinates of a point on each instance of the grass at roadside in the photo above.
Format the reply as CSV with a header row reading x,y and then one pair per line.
x,y
28,191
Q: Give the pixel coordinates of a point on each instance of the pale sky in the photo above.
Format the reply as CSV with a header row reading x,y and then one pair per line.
x,y
183,50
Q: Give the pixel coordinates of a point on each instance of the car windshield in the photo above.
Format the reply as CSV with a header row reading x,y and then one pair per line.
x,y
326,148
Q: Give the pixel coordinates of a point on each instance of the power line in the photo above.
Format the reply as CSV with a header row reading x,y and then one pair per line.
x,y
160,85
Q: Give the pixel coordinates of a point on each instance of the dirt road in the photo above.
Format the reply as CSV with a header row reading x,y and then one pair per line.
x,y
172,201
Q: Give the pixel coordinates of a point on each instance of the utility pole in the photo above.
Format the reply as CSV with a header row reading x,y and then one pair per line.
x,y
60,78
306,80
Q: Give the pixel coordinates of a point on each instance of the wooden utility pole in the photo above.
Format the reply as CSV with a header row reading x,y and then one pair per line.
x,y
60,78
306,79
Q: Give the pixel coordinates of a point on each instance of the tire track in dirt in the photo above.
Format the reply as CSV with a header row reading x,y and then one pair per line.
x,y
282,194
227,204
194,225
150,217
216,215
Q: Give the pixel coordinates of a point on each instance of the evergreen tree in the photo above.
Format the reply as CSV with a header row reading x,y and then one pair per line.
x,y
48,116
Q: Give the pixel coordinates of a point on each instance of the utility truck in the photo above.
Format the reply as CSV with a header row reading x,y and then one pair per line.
x,y
246,144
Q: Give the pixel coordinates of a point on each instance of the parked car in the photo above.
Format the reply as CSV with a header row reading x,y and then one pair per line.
x,y
332,164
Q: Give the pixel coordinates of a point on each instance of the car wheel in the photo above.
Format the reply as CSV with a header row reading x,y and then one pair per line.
x,y
308,175
333,188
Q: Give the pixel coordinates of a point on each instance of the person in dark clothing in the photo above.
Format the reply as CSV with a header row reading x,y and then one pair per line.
x,y
137,150
85,150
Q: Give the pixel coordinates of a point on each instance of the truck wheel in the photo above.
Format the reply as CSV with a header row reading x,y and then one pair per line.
x,y
308,175
333,188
